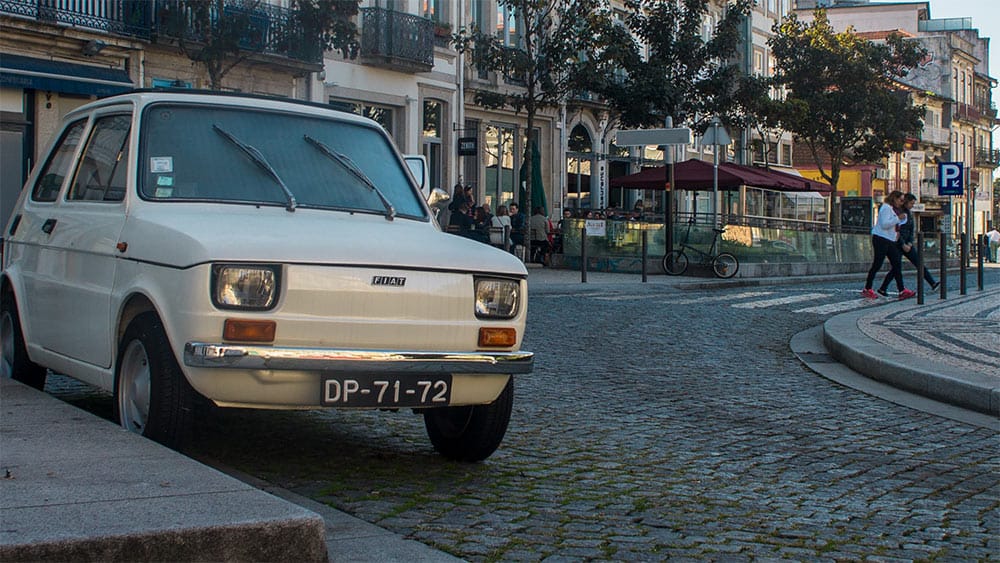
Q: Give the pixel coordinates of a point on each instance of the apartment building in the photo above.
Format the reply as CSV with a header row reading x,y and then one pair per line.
x,y
954,84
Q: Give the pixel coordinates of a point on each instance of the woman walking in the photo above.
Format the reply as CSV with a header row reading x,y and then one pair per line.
x,y
884,235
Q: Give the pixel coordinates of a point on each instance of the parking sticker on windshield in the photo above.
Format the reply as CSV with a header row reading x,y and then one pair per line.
x,y
161,164
164,180
164,192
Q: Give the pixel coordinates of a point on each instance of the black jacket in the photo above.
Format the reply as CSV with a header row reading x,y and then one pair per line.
x,y
906,230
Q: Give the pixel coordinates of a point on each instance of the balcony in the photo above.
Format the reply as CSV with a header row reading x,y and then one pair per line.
x,y
396,40
967,113
935,136
987,158
268,29
129,18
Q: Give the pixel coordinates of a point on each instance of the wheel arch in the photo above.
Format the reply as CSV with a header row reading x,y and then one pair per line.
x,y
133,306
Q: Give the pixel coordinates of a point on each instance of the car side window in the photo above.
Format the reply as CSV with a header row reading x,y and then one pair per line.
x,y
101,174
57,168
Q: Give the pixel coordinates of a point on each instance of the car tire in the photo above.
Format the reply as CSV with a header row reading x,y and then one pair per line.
x,y
152,396
470,433
15,363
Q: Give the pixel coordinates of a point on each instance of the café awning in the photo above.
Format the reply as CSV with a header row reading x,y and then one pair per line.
x,y
17,71
696,175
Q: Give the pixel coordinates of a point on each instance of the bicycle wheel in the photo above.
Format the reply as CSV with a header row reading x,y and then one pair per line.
x,y
725,265
675,263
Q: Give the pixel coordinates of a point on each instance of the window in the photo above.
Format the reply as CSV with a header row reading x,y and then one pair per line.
x,y
101,174
431,9
508,25
57,168
786,154
499,160
431,143
772,152
758,62
384,115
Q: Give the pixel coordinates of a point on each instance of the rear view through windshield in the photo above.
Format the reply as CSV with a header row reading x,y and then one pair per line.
x,y
242,155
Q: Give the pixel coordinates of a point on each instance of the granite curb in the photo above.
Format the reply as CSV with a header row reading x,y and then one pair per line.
x,y
938,380
75,487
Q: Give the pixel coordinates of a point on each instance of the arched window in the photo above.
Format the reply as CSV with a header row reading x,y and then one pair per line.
x,y
579,163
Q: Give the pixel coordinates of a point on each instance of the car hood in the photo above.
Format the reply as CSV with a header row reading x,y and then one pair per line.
x,y
186,234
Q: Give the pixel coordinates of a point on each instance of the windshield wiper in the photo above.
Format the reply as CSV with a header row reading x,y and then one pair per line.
x,y
260,161
346,162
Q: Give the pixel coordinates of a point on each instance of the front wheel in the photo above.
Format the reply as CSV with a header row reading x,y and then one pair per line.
x,y
675,263
470,433
725,265
152,396
14,363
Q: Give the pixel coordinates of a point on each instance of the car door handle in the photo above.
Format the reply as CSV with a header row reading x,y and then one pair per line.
x,y
48,226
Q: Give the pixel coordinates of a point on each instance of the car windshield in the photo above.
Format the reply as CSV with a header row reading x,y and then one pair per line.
x,y
186,158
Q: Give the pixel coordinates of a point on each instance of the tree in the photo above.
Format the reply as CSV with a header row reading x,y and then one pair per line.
x,y
685,75
555,45
845,100
755,107
222,34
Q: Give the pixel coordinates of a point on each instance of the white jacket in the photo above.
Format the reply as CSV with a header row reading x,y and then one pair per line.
x,y
499,222
885,225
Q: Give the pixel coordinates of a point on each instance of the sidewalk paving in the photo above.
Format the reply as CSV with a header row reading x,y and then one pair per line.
x,y
76,487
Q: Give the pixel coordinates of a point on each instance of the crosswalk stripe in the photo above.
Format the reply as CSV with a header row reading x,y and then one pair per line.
x,y
838,307
779,301
717,298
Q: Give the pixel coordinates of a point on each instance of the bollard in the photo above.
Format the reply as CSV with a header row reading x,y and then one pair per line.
x,y
506,238
979,262
920,268
963,260
645,254
944,267
583,255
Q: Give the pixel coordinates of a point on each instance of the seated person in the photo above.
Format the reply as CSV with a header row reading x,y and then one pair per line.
x,y
460,218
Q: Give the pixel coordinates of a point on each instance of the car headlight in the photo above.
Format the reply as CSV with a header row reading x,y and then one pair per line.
x,y
497,298
245,287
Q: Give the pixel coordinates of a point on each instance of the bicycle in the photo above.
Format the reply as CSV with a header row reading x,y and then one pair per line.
x,y
724,264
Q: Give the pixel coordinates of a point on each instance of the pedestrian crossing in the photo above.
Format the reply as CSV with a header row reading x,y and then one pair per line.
x,y
824,302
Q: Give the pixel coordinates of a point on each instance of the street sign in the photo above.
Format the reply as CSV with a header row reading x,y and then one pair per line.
x,y
716,135
643,137
918,208
950,178
913,157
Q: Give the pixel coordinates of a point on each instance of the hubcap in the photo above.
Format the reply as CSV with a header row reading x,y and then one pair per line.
x,y
133,388
7,341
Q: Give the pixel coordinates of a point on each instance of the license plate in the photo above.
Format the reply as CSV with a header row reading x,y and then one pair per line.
x,y
386,391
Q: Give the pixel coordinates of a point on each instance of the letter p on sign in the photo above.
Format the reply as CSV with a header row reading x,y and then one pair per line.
x,y
950,178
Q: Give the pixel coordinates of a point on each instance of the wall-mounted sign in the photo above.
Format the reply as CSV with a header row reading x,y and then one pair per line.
x,y
950,178
468,146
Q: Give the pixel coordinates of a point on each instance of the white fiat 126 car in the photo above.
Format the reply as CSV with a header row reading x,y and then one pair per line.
x,y
258,253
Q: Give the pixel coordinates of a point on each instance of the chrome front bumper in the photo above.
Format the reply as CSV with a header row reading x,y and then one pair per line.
x,y
238,356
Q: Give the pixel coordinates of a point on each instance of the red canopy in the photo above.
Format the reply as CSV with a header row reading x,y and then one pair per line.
x,y
697,175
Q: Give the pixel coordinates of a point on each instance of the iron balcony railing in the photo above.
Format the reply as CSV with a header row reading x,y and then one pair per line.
x,y
266,28
397,40
987,158
129,18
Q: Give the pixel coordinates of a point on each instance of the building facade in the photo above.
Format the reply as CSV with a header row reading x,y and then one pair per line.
x,y
954,85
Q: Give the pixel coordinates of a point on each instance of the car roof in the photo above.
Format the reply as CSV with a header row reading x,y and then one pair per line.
x,y
144,97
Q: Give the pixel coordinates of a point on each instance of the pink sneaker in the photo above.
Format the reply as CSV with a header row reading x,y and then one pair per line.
x,y
868,294
906,294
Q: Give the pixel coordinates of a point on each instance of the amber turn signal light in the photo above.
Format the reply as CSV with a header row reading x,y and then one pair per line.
x,y
248,331
490,337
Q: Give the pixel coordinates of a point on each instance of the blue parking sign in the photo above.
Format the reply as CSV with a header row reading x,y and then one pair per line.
x,y
950,178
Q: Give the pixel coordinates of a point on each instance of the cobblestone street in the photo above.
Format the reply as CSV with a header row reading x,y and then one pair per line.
x,y
659,423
